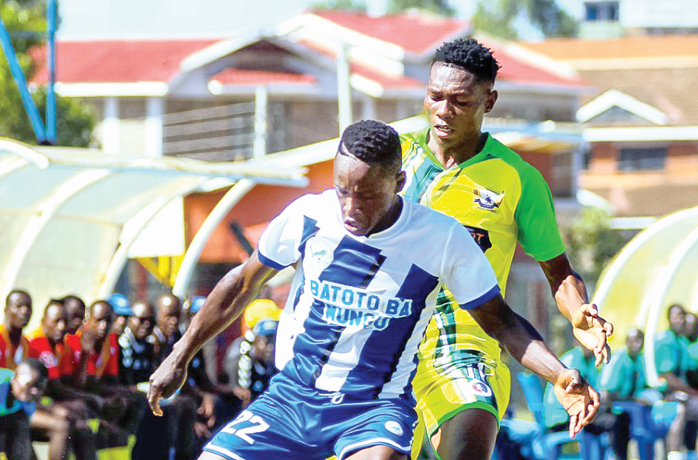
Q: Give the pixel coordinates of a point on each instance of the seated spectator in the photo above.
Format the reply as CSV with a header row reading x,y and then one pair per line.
x,y
691,334
181,412
96,356
137,354
674,364
254,366
75,308
64,419
122,311
14,346
623,379
616,425
19,389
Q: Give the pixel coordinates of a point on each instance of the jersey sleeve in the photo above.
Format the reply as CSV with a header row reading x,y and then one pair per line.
x,y
279,244
466,271
535,217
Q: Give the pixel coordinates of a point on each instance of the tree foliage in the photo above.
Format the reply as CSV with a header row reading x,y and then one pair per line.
x,y
591,243
440,7
499,18
26,22
343,5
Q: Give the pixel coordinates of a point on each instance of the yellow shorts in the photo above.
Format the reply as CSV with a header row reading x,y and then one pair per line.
x,y
471,386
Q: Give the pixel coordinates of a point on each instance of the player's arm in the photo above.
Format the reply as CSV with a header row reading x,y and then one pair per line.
x,y
526,345
225,303
570,294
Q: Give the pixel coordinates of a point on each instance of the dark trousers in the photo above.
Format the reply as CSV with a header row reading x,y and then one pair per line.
x,y
15,436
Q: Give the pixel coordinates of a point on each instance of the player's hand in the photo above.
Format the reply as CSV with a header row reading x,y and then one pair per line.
x,y
244,395
578,398
207,408
164,382
592,331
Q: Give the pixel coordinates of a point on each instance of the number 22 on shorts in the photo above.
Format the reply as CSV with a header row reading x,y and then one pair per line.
x,y
257,426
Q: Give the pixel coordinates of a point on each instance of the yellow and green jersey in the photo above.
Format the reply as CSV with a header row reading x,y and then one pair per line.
x,y
501,199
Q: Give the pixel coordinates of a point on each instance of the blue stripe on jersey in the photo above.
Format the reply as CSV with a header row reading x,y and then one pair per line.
x,y
486,297
268,262
354,264
417,286
299,292
310,228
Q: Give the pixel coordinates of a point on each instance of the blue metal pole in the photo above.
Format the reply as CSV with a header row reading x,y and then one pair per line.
x,y
29,105
51,64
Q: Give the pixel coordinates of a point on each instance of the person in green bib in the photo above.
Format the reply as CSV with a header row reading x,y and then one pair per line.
x,y
19,389
616,425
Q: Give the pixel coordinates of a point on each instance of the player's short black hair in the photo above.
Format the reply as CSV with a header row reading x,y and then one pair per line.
x,y
372,142
97,303
73,298
17,291
54,302
471,55
38,366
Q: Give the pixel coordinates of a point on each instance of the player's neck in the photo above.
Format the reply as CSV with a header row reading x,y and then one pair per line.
x,y
15,335
389,219
454,154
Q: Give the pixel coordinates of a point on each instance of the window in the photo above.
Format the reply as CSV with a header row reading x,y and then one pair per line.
x,y
601,11
642,158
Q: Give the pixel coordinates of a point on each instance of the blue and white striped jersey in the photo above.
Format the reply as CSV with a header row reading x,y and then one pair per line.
x,y
358,306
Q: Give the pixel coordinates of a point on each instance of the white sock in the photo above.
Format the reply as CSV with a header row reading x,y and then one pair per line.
x,y
676,455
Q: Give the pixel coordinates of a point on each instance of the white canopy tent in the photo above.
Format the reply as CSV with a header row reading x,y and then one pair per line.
x,y
656,269
69,216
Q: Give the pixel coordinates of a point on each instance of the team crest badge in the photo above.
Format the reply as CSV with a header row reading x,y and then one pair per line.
x,y
394,427
487,199
318,252
480,388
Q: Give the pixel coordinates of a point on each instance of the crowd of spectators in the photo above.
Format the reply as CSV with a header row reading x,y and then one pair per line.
x,y
79,380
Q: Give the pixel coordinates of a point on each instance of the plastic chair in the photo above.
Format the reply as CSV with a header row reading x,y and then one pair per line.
x,y
648,423
546,445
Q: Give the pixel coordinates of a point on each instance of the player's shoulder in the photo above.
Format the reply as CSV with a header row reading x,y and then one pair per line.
x,y
425,217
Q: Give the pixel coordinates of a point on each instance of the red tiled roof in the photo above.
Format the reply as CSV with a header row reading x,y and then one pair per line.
x,y
386,80
255,77
654,46
414,33
116,61
517,70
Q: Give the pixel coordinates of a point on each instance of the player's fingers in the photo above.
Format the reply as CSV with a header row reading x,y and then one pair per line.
x,y
573,426
609,328
154,395
592,309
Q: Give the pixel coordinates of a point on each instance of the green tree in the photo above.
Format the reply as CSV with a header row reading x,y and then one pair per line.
x,y
440,7
498,18
26,22
344,5
591,243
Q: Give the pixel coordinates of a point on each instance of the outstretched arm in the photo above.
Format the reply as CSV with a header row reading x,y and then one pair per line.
x,y
526,345
229,297
570,294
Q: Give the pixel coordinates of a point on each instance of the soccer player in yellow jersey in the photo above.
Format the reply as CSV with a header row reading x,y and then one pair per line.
x,y
461,384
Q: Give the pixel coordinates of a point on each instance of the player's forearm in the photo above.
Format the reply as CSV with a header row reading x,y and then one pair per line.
x,y
567,287
223,306
518,337
525,344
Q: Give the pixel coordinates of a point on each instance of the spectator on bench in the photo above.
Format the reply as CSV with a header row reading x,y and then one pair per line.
x,y
19,389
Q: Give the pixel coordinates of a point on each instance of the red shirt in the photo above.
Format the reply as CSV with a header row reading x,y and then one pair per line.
x,y
106,362
10,355
58,360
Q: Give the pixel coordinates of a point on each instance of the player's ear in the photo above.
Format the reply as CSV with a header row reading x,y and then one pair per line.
x,y
491,99
401,178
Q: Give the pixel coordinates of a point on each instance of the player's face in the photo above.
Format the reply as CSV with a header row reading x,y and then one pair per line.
x,y
119,324
54,323
18,310
168,318
142,322
635,342
677,319
456,104
366,194
76,316
101,319
25,384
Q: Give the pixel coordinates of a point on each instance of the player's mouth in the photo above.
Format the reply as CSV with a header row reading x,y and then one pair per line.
x,y
354,227
442,130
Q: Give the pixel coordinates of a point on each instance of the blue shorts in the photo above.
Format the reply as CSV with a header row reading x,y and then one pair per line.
x,y
291,421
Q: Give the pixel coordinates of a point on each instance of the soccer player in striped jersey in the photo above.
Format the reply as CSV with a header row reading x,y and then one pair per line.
x,y
369,267
456,169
